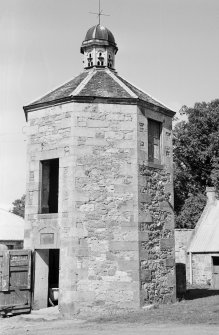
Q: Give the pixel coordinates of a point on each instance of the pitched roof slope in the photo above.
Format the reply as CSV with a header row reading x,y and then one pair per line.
x,y
62,91
142,95
102,83
206,235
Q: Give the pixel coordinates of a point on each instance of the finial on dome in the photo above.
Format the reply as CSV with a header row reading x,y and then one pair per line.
x,y
99,13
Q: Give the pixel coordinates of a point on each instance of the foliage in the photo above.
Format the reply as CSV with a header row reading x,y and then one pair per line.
x,y
191,211
19,206
196,160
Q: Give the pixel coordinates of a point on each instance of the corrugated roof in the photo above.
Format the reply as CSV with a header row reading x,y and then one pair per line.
x,y
11,226
206,236
102,83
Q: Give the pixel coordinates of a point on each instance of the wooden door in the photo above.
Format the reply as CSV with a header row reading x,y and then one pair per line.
x,y
216,273
15,281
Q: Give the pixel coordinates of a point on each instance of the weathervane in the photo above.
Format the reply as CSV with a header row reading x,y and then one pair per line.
x,y
99,13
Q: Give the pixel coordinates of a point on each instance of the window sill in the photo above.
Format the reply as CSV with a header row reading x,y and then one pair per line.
x,y
155,165
48,215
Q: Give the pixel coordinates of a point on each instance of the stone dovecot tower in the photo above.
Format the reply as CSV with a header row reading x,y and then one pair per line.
x,y
99,205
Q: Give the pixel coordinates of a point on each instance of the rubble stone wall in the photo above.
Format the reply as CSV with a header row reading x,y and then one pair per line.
x,y
156,219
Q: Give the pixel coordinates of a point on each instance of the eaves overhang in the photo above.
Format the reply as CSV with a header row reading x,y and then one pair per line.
x,y
95,99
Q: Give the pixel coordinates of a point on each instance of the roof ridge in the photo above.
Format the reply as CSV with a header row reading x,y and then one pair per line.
x,y
123,85
142,91
84,82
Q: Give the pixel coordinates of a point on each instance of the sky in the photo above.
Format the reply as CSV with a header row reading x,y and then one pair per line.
x,y
168,48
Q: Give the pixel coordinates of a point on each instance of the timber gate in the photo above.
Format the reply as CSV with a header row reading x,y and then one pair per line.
x,y
15,281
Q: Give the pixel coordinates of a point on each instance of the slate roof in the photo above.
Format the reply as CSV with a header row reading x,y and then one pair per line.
x,y
206,234
96,82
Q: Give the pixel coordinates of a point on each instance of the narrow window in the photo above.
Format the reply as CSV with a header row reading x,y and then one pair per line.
x,y
100,54
102,63
154,131
50,186
91,63
98,63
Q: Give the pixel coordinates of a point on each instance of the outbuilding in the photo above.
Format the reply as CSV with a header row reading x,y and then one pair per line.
x,y
203,249
11,230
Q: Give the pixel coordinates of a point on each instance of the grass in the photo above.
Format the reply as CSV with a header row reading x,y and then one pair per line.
x,y
196,310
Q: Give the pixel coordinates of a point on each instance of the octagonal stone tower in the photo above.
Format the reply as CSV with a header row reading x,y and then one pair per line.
x,y
99,204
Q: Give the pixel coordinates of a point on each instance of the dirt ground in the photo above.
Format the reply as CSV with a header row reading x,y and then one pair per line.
x,y
67,327
199,314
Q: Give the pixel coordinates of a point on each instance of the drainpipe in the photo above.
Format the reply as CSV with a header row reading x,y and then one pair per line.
x,y
190,268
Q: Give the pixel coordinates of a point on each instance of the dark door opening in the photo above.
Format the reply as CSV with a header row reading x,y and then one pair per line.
x,y
53,278
215,273
46,278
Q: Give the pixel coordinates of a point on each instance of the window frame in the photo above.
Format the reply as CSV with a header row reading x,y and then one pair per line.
x,y
40,204
154,160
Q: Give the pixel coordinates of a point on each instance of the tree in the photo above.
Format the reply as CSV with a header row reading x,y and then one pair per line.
x,y
19,206
196,160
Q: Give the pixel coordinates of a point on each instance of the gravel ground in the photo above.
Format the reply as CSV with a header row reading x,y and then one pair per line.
x,y
194,316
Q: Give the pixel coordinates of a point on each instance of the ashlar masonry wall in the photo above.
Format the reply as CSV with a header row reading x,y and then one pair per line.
x,y
114,226
96,227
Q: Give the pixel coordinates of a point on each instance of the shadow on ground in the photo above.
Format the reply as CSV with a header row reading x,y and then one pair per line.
x,y
199,293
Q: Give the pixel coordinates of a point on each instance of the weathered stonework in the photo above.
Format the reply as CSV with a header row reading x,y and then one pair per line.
x,y
96,228
182,240
202,269
114,226
100,189
156,220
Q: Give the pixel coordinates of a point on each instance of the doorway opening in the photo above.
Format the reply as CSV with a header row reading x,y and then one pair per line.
x,y
46,283
53,283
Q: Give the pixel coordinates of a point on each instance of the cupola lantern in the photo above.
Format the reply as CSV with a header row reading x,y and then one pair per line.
x,y
99,48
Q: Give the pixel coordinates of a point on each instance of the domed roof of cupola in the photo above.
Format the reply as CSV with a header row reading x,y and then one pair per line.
x,y
101,33
98,35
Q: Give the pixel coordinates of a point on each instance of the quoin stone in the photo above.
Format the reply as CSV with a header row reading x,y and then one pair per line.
x,y
99,204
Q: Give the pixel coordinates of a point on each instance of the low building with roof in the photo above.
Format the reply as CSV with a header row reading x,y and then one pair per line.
x,y
203,249
11,230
